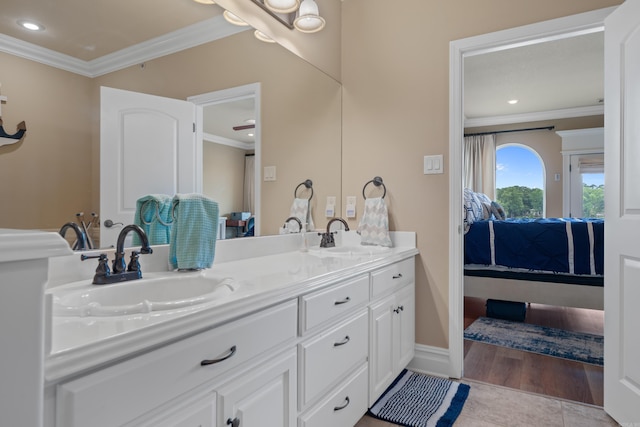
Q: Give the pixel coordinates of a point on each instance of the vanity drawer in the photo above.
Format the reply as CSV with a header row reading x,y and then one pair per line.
x,y
120,393
326,359
344,406
320,306
390,278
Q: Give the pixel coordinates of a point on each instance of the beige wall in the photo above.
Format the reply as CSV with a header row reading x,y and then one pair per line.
x,y
395,76
46,178
548,145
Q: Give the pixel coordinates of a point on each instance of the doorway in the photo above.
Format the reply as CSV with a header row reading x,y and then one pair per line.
x,y
228,125
531,34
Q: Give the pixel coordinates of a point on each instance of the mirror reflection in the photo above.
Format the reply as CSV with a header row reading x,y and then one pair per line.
x,y
56,168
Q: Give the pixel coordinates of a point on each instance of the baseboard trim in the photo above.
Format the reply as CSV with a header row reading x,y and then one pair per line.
x,y
432,360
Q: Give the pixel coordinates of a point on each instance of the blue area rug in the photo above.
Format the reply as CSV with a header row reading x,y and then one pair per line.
x,y
587,348
417,400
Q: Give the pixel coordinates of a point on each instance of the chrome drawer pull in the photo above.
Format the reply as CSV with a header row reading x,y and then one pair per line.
x,y
232,351
347,401
344,301
397,276
343,342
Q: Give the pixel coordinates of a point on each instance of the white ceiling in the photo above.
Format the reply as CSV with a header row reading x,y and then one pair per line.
x,y
565,75
97,36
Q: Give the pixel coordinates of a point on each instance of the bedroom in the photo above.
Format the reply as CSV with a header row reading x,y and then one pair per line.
x,y
558,120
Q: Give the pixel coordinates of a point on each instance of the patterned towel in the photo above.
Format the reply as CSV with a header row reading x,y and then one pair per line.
x,y
195,228
153,215
374,224
300,209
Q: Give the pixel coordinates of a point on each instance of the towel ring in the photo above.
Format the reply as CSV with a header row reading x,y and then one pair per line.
x,y
157,214
377,181
308,184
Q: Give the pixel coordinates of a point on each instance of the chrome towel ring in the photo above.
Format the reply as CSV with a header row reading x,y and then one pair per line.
x,y
377,181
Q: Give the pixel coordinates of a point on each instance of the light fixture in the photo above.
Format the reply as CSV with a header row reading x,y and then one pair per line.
x,y
512,101
309,19
282,6
263,37
30,25
233,19
205,1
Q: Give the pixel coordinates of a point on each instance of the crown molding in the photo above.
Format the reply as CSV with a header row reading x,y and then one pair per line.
x,y
184,38
228,141
566,113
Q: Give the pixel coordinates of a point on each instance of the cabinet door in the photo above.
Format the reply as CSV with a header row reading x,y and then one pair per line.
x,y
405,319
264,398
381,360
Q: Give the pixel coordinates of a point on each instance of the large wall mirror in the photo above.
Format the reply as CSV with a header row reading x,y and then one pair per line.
x,y
300,132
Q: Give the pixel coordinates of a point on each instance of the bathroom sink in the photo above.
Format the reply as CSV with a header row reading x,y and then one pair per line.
x,y
351,250
157,292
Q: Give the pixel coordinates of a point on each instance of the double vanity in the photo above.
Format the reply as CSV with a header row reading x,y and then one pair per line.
x,y
274,334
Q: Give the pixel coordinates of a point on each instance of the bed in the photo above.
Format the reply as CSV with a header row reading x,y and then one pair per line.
x,y
556,261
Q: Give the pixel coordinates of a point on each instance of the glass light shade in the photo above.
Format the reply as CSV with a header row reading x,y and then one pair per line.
x,y
263,38
282,6
309,19
233,19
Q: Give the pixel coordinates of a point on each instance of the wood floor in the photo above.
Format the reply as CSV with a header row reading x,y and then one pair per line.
x,y
535,373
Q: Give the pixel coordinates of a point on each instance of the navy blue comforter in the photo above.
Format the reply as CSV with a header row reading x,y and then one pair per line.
x,y
559,245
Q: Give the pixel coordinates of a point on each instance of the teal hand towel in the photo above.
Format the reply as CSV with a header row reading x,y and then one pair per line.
x,y
195,228
153,215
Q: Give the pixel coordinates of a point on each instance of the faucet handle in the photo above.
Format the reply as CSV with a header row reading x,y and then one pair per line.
x,y
134,264
103,270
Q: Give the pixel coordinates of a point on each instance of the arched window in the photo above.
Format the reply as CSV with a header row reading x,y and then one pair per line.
x,y
520,181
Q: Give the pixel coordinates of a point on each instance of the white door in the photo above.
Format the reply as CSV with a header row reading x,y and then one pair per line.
x,y
147,146
622,201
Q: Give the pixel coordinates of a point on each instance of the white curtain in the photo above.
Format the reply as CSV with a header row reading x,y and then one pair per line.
x,y
480,164
249,184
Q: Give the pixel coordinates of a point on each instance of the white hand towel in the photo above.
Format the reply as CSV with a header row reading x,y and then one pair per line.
x,y
374,224
301,210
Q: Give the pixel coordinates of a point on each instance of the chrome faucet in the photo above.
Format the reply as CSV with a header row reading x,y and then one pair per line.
x,y
120,271
327,240
81,238
296,219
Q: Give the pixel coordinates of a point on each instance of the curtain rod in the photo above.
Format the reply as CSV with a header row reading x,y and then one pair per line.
x,y
509,131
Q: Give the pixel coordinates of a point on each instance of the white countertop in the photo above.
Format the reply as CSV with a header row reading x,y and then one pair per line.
x,y
82,343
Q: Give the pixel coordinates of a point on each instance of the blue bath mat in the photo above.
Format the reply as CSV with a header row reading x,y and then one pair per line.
x,y
417,400
587,348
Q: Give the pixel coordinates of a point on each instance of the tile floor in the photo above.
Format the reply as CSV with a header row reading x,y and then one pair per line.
x,y
495,406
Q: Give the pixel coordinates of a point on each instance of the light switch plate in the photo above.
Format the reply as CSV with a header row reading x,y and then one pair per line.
x,y
269,173
433,164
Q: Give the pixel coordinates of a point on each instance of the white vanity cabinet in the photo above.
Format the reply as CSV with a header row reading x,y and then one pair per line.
x,y
392,325
332,356
141,389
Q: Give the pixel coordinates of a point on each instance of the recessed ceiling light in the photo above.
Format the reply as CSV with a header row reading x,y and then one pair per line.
x,y
30,25
249,134
512,101
250,121
205,1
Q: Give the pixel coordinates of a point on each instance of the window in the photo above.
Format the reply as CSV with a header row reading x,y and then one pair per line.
x,y
586,187
520,181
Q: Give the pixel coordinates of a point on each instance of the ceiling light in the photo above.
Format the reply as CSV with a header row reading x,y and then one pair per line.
x,y
250,121
282,6
263,37
30,25
249,134
205,1
233,19
309,19
513,101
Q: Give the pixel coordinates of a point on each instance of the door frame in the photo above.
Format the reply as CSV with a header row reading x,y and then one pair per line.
x,y
570,26
226,95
